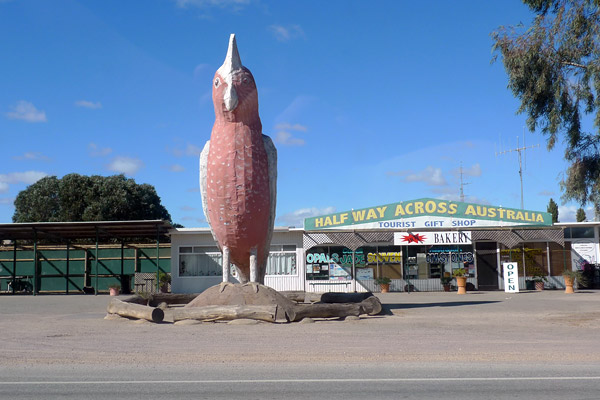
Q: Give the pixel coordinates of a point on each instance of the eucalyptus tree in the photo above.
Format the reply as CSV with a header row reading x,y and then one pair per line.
x,y
553,68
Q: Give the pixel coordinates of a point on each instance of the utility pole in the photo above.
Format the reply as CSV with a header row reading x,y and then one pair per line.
x,y
519,150
462,193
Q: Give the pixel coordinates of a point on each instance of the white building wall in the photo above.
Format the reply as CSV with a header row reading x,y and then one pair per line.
x,y
203,237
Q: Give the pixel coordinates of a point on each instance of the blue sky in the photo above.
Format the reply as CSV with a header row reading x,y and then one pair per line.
x,y
368,102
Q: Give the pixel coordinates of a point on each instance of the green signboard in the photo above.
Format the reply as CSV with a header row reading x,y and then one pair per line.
x,y
428,213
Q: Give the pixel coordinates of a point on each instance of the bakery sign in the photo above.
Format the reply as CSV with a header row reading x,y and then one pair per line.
x,y
432,238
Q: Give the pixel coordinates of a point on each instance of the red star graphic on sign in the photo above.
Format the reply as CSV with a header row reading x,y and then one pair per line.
x,y
413,238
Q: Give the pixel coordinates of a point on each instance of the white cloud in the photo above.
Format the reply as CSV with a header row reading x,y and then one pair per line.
x,y
201,71
430,175
188,208
474,170
569,213
193,190
175,168
27,177
286,33
191,150
7,200
297,108
32,156
287,139
468,199
296,218
26,111
96,151
289,127
88,104
284,137
125,165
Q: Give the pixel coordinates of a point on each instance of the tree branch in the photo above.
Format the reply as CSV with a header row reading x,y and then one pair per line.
x,y
572,64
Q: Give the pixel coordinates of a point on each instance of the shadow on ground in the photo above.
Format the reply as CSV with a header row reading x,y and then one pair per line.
x,y
387,308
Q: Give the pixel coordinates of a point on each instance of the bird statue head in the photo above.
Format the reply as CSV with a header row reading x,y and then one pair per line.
x,y
234,91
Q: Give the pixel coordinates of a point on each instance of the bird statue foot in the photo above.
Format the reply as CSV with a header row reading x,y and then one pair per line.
x,y
254,286
223,285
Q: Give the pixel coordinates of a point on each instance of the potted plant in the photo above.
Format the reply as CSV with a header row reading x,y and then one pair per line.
x,y
460,274
539,282
538,277
571,277
384,283
114,289
445,281
535,277
164,279
588,272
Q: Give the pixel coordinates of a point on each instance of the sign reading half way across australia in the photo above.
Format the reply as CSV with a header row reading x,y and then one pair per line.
x,y
428,213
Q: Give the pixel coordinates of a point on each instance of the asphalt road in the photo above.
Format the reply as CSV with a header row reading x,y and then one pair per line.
x,y
482,345
308,382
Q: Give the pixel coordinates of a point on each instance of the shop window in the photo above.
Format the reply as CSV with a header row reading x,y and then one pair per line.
x,y
330,263
560,258
208,261
531,259
282,260
200,261
579,233
444,260
390,261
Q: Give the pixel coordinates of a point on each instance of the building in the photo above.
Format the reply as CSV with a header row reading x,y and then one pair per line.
x,y
414,243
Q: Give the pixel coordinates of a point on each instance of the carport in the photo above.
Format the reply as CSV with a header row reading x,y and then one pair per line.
x,y
26,238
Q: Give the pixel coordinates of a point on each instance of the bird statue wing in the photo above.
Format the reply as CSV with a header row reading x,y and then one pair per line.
x,y
272,159
203,191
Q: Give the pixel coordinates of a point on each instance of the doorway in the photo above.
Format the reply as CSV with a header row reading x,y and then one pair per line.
x,y
487,265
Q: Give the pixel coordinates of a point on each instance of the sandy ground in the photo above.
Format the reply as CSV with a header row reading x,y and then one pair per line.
x,y
490,327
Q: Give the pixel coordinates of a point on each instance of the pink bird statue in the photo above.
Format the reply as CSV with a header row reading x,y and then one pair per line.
x,y
238,173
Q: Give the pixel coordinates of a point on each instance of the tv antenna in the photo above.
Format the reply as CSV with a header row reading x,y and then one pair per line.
x,y
519,150
462,184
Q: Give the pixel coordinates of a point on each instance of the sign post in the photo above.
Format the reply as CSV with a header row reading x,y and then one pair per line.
x,y
511,277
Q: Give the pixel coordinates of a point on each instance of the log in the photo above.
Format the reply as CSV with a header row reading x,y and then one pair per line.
x,y
138,311
371,305
344,297
136,299
295,295
261,313
170,298
154,300
300,296
327,310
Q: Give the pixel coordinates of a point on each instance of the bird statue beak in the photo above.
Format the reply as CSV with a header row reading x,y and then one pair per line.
x,y
232,64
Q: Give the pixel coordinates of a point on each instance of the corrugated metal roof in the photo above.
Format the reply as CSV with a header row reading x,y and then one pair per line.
x,y
83,230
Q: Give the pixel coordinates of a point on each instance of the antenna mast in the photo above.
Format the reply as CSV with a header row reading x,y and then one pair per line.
x,y
462,193
519,150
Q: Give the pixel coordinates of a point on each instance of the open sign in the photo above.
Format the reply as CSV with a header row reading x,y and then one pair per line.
x,y
511,277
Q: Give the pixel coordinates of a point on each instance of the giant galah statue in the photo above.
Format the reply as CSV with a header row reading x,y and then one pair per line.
x,y
238,173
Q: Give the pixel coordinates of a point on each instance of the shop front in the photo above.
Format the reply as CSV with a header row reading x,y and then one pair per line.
x,y
418,244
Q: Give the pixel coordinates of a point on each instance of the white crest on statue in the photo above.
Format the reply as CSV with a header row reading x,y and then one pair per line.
x,y
232,60
231,64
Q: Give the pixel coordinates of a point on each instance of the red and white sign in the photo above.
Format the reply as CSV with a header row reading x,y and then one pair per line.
x,y
432,238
